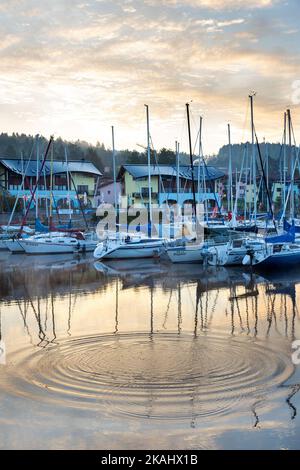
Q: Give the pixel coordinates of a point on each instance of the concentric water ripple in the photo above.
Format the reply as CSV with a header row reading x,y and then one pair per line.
x,y
164,376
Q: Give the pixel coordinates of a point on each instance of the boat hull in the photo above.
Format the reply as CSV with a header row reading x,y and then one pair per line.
x,y
117,250
15,246
185,254
36,248
134,252
280,260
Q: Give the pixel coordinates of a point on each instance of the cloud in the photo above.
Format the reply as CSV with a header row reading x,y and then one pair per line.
x,y
79,67
217,4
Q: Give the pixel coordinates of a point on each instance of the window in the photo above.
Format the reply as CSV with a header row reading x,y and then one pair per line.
x,y
82,188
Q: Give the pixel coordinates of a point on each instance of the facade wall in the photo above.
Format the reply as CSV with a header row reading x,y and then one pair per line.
x,y
165,192
133,189
2,176
82,180
107,193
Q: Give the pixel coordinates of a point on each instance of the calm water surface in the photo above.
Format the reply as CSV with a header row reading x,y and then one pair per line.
x,y
145,354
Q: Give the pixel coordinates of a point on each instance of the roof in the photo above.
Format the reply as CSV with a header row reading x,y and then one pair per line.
x,y
17,166
141,171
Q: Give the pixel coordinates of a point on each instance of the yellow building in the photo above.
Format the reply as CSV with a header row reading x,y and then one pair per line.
x,y
164,179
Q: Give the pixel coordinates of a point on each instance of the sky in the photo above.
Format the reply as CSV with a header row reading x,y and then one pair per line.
x,y
74,68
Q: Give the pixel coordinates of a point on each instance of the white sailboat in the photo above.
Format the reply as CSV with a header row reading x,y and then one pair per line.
x,y
233,252
186,253
58,242
130,247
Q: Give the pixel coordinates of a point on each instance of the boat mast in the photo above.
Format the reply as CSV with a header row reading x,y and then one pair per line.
x,y
291,160
34,190
68,187
37,178
230,189
191,159
114,165
149,169
22,187
267,172
200,153
284,164
177,170
251,96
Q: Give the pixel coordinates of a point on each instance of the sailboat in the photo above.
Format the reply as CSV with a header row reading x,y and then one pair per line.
x,y
132,246
233,252
278,252
129,247
181,251
57,242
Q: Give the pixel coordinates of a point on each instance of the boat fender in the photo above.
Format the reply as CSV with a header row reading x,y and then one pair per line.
x,y
247,260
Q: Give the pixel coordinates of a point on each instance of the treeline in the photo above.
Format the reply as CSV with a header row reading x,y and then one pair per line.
x,y
15,145
274,153
12,146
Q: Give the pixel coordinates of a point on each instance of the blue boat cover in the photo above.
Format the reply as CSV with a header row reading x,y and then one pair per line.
x,y
39,227
287,226
288,237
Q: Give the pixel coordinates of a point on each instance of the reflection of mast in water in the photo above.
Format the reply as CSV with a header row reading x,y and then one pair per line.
x,y
151,312
70,304
179,322
24,318
53,319
294,389
117,307
255,414
164,325
285,292
37,314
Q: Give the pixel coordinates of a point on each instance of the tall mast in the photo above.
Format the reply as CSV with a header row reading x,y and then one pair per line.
x,y
284,164
291,160
34,190
177,170
230,189
253,156
22,187
200,153
68,185
267,172
37,177
114,166
149,166
51,190
191,159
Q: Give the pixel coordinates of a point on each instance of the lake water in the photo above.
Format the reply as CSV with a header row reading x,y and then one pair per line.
x,y
146,355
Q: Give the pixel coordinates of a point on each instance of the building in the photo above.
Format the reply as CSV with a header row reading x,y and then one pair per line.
x,y
83,178
135,187
278,191
105,192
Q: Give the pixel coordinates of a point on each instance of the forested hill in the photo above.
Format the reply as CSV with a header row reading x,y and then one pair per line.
x,y
11,146
240,151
